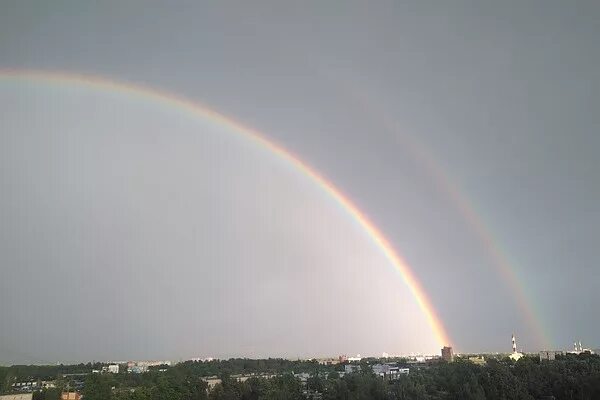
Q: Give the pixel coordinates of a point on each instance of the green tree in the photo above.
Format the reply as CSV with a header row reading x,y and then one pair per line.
x,y
47,394
98,387
285,387
406,387
315,383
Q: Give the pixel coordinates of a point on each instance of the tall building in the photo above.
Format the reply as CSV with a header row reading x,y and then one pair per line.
x,y
447,354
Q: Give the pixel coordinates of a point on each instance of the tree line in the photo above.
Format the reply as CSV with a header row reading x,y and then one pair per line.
x,y
568,377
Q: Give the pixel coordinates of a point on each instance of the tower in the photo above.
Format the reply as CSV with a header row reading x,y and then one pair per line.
x,y
514,344
515,356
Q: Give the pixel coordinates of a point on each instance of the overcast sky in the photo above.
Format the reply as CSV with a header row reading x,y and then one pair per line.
x,y
131,230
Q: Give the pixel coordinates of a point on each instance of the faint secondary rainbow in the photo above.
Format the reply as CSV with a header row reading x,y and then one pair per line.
x,y
467,210
192,107
500,261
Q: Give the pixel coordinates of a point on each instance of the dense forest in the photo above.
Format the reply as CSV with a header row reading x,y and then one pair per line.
x,y
568,377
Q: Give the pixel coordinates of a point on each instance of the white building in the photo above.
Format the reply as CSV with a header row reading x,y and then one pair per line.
x,y
578,349
111,369
516,356
138,367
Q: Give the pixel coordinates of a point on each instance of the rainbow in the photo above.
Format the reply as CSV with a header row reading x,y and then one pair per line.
x,y
500,261
199,110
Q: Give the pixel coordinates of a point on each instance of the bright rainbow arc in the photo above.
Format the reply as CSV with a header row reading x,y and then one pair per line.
x,y
260,139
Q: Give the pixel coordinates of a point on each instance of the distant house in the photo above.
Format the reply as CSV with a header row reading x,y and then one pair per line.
x,y
48,384
25,386
328,361
212,381
389,371
137,369
111,369
70,396
477,360
350,368
303,376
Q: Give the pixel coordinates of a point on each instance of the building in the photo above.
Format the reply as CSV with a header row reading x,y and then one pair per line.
x,y
515,356
303,376
549,355
111,369
70,396
212,381
477,360
328,361
138,367
23,396
389,371
350,368
25,386
33,385
447,354
578,349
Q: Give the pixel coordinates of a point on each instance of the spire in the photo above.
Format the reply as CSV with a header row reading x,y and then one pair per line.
x,y
514,344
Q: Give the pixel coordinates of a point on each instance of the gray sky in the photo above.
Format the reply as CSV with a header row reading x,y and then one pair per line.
x,y
132,230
